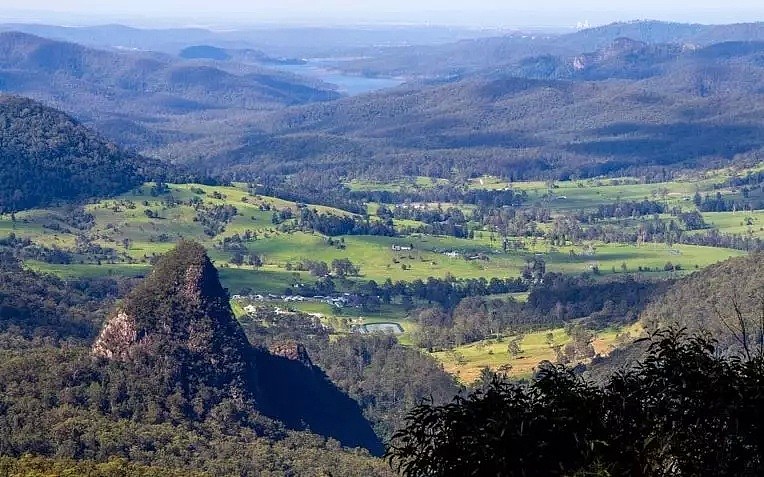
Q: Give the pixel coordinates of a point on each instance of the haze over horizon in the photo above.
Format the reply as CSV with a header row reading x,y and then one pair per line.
x,y
479,13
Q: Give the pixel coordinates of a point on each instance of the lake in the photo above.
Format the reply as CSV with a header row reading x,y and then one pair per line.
x,y
350,85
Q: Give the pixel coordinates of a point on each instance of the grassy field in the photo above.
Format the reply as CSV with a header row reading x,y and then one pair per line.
x,y
122,224
394,186
466,362
588,193
740,223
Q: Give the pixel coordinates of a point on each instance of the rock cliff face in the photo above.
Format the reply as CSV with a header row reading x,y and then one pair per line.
x,y
179,323
118,339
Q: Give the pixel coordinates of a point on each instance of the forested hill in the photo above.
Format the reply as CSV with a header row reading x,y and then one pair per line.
x,y
171,381
629,109
717,300
47,157
180,316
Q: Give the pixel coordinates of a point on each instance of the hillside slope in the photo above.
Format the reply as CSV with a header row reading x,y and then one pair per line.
x,y
47,157
717,300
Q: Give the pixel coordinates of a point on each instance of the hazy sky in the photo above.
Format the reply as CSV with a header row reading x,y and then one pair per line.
x,y
472,12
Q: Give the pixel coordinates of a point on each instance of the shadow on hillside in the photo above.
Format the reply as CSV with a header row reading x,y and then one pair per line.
x,y
304,398
672,143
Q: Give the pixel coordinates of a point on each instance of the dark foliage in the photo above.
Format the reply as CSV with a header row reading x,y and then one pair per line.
x,y
333,225
604,301
684,410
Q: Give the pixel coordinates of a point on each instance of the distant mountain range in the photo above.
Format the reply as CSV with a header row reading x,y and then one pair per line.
x,y
134,97
482,54
631,107
285,41
640,97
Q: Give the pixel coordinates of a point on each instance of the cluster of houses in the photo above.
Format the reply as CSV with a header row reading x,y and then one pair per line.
x,y
470,257
340,301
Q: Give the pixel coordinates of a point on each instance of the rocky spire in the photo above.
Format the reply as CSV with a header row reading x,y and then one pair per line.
x,y
182,313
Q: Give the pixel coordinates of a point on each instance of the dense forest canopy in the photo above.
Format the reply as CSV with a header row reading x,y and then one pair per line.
x,y
46,157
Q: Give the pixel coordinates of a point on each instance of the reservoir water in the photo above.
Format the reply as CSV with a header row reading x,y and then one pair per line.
x,y
351,85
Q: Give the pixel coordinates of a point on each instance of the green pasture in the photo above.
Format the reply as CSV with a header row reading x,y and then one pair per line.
x,y
746,223
122,224
466,362
420,182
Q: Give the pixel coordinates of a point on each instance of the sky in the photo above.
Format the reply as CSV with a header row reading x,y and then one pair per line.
x,y
488,13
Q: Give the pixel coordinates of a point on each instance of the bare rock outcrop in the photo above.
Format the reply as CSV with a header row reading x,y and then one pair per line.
x,y
117,338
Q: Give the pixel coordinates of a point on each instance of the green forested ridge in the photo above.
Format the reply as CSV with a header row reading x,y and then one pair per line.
x,y
46,157
76,409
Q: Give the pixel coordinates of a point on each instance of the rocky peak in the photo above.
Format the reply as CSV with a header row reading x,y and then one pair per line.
x,y
181,312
